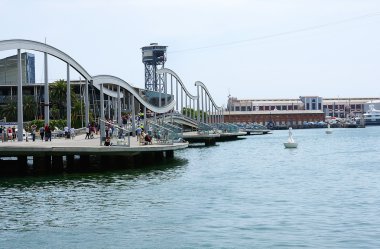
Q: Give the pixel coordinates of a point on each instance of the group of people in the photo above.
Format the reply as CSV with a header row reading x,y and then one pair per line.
x,y
45,133
91,129
143,137
7,133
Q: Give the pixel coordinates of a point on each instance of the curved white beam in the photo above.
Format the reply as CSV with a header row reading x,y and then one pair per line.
x,y
199,83
167,70
41,47
111,93
109,79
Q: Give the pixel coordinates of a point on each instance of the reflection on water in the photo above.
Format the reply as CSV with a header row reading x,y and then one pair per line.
x,y
250,193
166,169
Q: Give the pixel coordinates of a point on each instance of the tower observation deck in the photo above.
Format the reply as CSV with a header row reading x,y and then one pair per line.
x,y
153,57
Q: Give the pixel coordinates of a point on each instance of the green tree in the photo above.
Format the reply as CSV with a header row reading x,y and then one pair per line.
x,y
29,108
76,113
58,96
10,110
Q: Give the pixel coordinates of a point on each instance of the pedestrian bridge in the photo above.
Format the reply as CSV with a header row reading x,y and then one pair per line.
x,y
195,111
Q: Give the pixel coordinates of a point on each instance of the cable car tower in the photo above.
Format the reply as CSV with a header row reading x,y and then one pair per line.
x,y
153,56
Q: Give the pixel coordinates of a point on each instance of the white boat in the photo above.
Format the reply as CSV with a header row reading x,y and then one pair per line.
x,y
372,116
290,143
329,130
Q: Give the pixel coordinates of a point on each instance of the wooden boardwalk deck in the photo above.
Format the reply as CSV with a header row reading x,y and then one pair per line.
x,y
80,145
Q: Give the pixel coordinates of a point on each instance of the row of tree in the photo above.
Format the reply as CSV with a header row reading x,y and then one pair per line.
x,y
33,110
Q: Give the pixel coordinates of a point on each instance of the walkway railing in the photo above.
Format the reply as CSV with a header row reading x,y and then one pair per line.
x,y
162,134
120,136
204,128
227,128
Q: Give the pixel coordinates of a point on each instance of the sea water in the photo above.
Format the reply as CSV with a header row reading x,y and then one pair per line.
x,y
249,193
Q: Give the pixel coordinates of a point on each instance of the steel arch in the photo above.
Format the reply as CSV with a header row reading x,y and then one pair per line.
x,y
104,79
41,47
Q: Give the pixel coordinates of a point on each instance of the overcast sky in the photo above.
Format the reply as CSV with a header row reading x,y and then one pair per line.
x,y
246,48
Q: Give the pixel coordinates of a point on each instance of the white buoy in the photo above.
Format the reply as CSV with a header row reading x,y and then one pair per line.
x,y
329,130
290,143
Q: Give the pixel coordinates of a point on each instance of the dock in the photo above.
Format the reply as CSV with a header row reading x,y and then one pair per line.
x,y
58,155
211,138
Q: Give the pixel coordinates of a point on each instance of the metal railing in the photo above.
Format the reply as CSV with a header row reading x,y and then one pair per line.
x,y
162,134
227,128
119,137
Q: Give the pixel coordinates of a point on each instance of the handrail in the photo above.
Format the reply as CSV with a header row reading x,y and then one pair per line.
x,y
118,127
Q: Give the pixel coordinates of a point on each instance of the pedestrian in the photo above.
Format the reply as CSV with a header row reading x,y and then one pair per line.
x,y
10,134
47,133
107,142
88,131
72,133
13,133
107,130
42,133
34,127
138,132
66,129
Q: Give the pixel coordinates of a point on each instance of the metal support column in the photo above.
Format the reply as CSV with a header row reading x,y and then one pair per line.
x,y
87,103
206,113
166,88
203,113
118,106
68,98
101,123
133,116
186,109
109,106
159,91
176,95
20,111
181,101
46,90
198,113
145,119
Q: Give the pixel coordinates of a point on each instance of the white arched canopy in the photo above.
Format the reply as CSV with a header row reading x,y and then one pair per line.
x,y
41,47
109,79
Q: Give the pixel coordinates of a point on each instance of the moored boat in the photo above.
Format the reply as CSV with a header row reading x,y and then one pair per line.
x,y
372,116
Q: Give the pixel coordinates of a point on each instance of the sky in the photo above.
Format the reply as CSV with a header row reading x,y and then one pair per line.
x,y
248,49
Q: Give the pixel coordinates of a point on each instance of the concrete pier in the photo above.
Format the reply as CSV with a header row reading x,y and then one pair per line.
x,y
79,154
210,139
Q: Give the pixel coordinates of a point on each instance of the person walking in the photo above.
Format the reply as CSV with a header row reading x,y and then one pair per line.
x,y
34,127
42,133
88,130
138,132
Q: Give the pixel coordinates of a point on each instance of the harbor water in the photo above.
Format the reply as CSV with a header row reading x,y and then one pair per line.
x,y
249,193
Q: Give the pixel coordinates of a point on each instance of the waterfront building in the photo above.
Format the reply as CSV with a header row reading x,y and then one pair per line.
x,y
8,69
294,111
